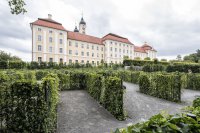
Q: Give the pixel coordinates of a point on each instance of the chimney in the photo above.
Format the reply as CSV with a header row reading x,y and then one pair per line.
x,y
49,16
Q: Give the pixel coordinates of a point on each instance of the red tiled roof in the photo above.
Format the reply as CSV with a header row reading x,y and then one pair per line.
x,y
84,38
115,37
139,49
49,23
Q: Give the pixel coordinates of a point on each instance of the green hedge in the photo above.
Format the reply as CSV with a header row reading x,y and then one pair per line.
x,y
30,107
161,85
17,64
3,65
182,67
153,68
193,81
129,62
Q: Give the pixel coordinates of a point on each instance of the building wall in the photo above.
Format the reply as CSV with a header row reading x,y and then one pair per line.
x,y
45,44
110,51
95,51
115,51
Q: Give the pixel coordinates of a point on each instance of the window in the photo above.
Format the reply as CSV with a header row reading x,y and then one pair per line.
x,y
88,54
76,52
88,62
39,59
97,48
101,48
76,45
50,39
82,61
82,46
50,49
97,54
39,48
39,29
93,62
87,46
60,50
110,55
61,41
82,53
123,44
110,42
102,55
70,51
116,55
115,43
61,60
92,54
61,34
127,51
70,43
70,61
92,47
97,62
115,49
123,51
39,38
110,48
120,44
76,61
119,50
50,59
50,31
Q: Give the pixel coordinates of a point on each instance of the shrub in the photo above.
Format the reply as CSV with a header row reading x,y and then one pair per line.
x,y
196,102
30,107
129,62
161,85
113,97
17,64
183,67
153,68
3,65
40,74
193,81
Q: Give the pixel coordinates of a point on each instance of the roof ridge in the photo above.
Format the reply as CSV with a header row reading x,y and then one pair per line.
x,y
49,20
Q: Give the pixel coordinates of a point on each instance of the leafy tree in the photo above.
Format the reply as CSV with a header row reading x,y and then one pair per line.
x,y
5,57
17,6
126,57
195,57
179,58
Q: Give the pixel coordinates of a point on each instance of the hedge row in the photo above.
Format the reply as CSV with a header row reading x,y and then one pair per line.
x,y
27,106
153,68
161,85
106,89
192,81
130,62
187,122
181,67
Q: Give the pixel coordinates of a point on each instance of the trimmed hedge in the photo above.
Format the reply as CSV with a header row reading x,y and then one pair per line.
x,y
130,62
30,107
161,85
193,81
182,67
153,68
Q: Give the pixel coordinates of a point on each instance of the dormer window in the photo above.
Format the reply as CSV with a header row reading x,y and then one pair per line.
x,y
39,29
50,31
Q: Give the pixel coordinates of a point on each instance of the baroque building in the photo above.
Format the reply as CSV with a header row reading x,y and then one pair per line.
x,y
51,42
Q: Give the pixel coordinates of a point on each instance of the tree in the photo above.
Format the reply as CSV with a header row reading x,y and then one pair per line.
x,y
17,6
126,57
195,57
179,58
8,57
137,58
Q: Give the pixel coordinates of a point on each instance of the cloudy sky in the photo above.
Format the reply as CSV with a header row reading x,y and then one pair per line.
x,y
172,27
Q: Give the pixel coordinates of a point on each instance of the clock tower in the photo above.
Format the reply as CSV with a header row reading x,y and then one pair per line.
x,y
82,26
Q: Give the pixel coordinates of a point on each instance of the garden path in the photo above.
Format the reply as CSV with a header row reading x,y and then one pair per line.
x,y
80,113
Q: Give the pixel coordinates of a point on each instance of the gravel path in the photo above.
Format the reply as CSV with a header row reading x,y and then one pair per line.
x,y
80,113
